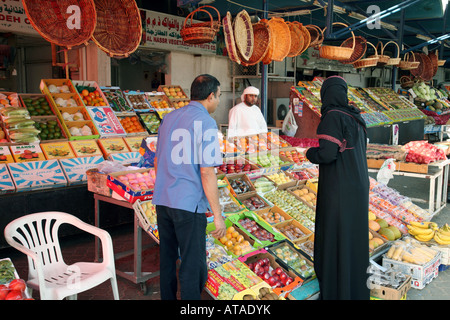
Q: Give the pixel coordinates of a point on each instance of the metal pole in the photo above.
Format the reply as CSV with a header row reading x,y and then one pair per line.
x,y
264,72
400,45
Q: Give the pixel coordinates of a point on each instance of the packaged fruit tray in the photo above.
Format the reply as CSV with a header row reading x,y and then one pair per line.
x,y
233,165
50,129
240,184
138,101
294,259
116,99
305,194
80,130
90,93
293,231
52,86
62,100
132,125
235,242
273,215
145,211
173,92
133,185
9,99
37,104
158,101
151,121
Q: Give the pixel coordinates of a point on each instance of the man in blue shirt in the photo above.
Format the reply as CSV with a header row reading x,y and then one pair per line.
x,y
186,186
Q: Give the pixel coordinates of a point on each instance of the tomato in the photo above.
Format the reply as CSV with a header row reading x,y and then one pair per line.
x,y
14,295
17,285
3,292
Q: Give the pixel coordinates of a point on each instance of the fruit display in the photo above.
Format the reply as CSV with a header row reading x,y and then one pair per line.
x,y
236,165
115,99
268,160
77,115
410,251
307,195
19,125
64,87
137,101
301,142
385,230
180,104
263,185
49,130
149,210
301,174
308,247
273,215
294,259
173,92
159,104
275,142
293,207
241,186
131,124
9,100
37,105
82,130
258,232
216,255
423,152
151,121
67,101
91,96
235,242
254,203
138,181
280,178
227,202
291,230
250,144
275,277
293,156
264,294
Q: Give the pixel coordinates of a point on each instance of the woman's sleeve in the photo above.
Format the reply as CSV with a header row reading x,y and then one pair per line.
x,y
331,140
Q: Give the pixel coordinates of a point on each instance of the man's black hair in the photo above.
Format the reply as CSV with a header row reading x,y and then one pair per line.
x,y
202,86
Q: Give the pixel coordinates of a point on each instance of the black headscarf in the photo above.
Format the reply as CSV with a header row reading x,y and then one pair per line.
x,y
334,95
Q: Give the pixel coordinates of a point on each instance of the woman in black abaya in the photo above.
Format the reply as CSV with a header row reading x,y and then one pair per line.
x,y
341,249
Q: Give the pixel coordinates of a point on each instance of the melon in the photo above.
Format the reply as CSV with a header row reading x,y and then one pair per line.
x,y
382,223
388,233
397,232
379,241
373,225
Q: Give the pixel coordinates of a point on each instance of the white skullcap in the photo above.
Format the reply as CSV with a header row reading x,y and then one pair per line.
x,y
249,90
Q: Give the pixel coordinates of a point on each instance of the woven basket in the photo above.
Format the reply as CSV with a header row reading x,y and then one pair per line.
x,y
358,52
406,64
382,59
50,20
393,61
229,38
367,62
243,35
406,82
281,38
337,52
296,40
434,61
119,27
316,35
202,32
425,69
261,35
305,35
271,44
441,63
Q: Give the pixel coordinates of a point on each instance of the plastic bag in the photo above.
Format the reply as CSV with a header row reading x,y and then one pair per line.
x,y
386,170
289,124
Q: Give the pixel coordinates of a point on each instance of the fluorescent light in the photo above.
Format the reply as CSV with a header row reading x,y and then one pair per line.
x,y
207,1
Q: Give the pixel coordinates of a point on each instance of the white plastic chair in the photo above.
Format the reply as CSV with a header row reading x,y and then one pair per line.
x,y
36,235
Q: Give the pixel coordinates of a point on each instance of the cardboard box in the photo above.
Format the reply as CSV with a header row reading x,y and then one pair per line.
x,y
91,86
126,157
57,150
137,129
243,177
275,209
5,155
67,125
106,122
294,224
134,143
34,102
138,101
27,152
125,191
307,291
48,135
96,182
6,182
386,293
76,169
37,175
291,183
116,99
112,145
45,83
254,256
85,148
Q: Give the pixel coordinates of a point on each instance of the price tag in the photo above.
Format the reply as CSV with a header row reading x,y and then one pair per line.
x,y
298,107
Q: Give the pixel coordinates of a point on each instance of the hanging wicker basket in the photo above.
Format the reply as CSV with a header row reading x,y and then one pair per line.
x,y
261,35
305,35
337,52
51,20
243,35
393,61
201,32
267,59
382,59
370,61
296,40
406,82
119,27
434,61
358,52
282,38
425,69
406,64
316,35
441,63
229,38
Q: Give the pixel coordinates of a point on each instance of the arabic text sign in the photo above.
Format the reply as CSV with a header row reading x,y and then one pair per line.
x,y
162,31
14,19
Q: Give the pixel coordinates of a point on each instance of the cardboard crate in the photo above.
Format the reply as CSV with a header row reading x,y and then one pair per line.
x,y
421,275
76,169
106,122
6,182
294,223
289,184
243,177
91,86
96,182
112,145
24,97
134,142
85,148
399,166
275,209
126,192
57,150
45,120
248,195
45,83
67,125
300,186
151,228
386,293
27,152
116,99
138,101
5,155
124,158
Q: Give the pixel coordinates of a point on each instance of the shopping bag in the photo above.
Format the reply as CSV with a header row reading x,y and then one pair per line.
x,y
289,124
386,171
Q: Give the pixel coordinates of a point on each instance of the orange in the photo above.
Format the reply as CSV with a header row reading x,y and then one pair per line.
x,y
230,229
84,92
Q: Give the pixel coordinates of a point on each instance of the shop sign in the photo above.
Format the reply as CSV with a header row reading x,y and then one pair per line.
x,y
14,19
162,31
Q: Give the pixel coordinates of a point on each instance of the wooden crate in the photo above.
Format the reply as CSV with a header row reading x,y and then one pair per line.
x,y
399,166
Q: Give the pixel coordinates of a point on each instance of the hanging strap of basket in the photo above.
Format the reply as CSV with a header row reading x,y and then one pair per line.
x,y
317,40
337,52
213,24
392,61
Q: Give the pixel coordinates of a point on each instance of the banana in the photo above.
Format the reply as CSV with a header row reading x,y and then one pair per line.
x,y
425,238
439,240
420,231
445,230
443,237
423,225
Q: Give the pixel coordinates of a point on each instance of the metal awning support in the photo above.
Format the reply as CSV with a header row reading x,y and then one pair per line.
x,y
377,16
426,43
400,32
264,71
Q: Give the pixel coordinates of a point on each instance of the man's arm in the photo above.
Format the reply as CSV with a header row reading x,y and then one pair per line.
x,y
209,181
